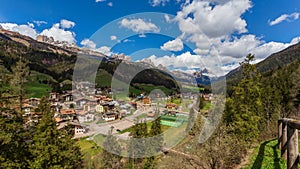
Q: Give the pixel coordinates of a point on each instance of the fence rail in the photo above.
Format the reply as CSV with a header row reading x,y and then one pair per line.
x,y
288,141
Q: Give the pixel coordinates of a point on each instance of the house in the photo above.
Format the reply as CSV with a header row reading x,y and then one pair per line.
x,y
146,101
67,97
110,116
79,129
126,106
99,108
28,109
54,96
67,114
171,106
80,102
32,101
84,116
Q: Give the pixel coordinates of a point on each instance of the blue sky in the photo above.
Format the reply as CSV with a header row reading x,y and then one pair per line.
x,y
179,34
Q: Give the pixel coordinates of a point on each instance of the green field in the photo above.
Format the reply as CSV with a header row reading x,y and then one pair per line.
x,y
170,123
266,156
38,90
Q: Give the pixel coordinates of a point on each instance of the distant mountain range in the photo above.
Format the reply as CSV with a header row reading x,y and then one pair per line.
x,y
58,60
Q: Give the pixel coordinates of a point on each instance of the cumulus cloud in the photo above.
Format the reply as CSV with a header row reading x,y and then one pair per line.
x,y
65,24
59,34
100,0
202,18
27,30
158,2
173,45
285,17
92,46
239,46
139,25
105,50
187,61
88,43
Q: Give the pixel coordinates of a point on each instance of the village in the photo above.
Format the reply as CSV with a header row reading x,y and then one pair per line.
x,y
94,111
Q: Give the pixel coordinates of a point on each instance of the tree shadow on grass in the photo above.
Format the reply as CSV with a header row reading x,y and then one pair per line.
x,y
276,157
260,156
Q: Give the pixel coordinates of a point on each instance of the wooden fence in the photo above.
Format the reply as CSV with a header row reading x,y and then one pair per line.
x,y
288,141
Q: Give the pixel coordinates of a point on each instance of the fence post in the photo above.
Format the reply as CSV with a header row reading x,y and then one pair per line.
x,y
292,148
279,134
283,140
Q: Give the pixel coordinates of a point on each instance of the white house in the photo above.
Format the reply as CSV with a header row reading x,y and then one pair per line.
x,y
84,117
79,130
110,116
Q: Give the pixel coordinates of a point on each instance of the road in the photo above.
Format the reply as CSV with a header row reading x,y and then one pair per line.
x,y
104,128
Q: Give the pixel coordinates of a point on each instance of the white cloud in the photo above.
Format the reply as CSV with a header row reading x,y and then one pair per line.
x,y
59,34
100,0
27,30
92,46
139,25
88,43
239,47
225,56
110,4
158,2
200,17
105,50
65,24
173,45
39,23
266,49
187,61
113,37
285,17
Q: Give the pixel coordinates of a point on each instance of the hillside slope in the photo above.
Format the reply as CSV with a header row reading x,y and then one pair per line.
x,y
271,63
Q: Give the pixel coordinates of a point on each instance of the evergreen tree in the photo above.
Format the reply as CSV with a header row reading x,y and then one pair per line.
x,y
20,72
111,154
245,111
13,148
53,148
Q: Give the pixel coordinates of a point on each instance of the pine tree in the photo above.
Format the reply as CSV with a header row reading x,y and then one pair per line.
x,y
13,149
111,154
20,72
245,113
53,148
